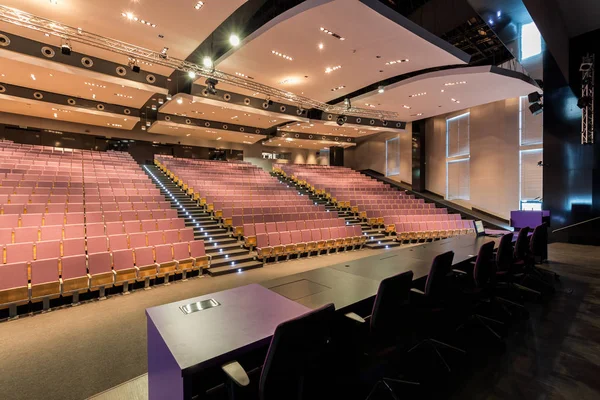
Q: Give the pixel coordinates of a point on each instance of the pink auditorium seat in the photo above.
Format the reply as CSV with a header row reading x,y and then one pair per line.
x,y
92,207
47,249
142,215
19,252
163,224
271,227
75,208
94,217
74,274
13,208
117,242
198,253
177,223
170,213
97,244
96,229
44,278
137,239
114,228
155,238
13,283
74,231
171,236
36,208
132,226
163,254
26,234
100,269
73,218
56,208
54,219
51,232
260,228
262,246
144,262
149,225
73,247
112,216
186,235
9,221
181,253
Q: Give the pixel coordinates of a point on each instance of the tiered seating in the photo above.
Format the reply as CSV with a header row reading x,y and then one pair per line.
x,y
249,200
378,203
76,220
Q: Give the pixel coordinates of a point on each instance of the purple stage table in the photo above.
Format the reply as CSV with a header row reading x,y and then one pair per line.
x,y
521,219
181,346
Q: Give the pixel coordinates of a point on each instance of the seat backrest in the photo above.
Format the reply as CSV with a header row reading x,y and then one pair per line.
x,y
73,247
391,306
44,271
437,284
274,239
262,240
163,253
26,234
31,219
19,252
177,223
171,236
522,244
181,251
122,259
13,275
73,266
137,239
316,234
484,270
504,255
96,229
325,233
99,263
47,249
298,357
186,235
539,240
197,248
144,256
154,238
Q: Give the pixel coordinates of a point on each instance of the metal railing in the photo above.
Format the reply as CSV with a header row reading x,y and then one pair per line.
x,y
576,224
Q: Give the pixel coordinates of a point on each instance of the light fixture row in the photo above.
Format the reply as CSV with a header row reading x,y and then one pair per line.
x,y
130,16
329,70
199,5
338,88
95,85
455,83
282,55
396,62
335,35
418,94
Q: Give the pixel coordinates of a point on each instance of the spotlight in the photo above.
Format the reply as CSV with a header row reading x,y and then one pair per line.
x,y
584,102
536,108
66,49
381,89
341,120
207,62
234,40
210,85
192,74
534,97
347,103
163,53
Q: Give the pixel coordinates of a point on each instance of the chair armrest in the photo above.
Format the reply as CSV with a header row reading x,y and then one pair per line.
x,y
459,272
236,373
355,317
417,291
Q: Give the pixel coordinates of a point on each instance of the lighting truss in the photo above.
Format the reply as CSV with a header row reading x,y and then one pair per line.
x,y
587,92
65,32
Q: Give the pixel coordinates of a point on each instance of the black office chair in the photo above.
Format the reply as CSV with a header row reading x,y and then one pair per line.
x,y
297,362
388,325
435,307
524,262
480,292
538,250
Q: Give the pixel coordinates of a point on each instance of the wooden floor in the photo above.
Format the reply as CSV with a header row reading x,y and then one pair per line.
x,y
553,355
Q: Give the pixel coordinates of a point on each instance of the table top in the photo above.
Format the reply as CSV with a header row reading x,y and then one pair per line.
x,y
322,286
246,318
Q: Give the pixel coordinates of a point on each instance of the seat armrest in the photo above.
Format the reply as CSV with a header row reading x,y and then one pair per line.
x,y
355,317
236,373
459,272
417,291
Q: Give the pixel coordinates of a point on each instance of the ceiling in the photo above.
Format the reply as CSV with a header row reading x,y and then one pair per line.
x,y
580,16
481,85
35,73
203,108
105,18
333,129
40,109
196,132
305,144
370,41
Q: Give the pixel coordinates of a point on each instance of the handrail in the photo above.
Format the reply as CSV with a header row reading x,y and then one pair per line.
x,y
578,223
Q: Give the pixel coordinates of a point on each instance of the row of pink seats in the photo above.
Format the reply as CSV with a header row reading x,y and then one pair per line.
x,y
40,208
432,229
255,229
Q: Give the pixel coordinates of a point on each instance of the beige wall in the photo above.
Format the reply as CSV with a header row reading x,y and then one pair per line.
x,y
494,157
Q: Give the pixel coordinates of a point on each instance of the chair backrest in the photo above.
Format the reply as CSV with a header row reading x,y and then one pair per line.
x,y
298,356
522,244
73,247
163,253
47,249
539,240
144,256
505,253
197,248
390,306
484,271
437,281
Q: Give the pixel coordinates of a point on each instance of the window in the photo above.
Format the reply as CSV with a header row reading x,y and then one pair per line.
x,y
392,157
531,175
531,41
530,126
458,158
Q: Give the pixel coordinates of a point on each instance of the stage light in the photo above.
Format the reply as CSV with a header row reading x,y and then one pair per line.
x,y
584,102
381,89
234,40
534,97
207,62
536,108
192,74
163,53
66,49
347,103
210,85
341,120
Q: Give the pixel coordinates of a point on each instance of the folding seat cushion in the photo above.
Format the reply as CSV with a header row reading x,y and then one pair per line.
x,y
171,236
163,224
144,262
74,274
100,269
74,218
18,252
97,244
74,231
47,249
137,239
262,246
198,253
44,278
95,229
186,235
73,247
54,219
26,234
148,225
13,283
181,253
114,228
177,223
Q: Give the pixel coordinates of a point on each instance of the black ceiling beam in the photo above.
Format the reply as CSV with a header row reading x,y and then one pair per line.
x,y
209,124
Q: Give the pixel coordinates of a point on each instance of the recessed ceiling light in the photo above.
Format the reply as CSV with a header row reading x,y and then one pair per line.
x,y
192,74
188,134
442,90
288,81
55,115
381,89
338,88
234,40
370,105
320,46
396,62
329,70
418,94
219,138
455,83
285,56
131,17
123,96
48,74
199,5
96,85
454,100
207,62
179,100
335,35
